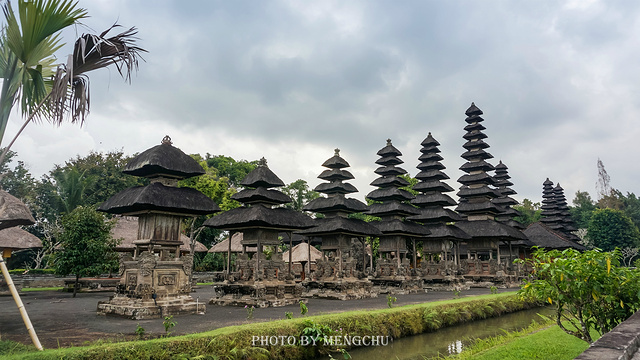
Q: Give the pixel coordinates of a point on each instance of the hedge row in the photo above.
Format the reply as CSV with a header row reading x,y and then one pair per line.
x,y
32,271
235,342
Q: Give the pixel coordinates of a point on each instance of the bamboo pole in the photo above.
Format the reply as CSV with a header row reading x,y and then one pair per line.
x,y
21,308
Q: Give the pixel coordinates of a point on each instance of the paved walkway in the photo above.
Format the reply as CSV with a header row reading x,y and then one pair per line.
x,y
61,320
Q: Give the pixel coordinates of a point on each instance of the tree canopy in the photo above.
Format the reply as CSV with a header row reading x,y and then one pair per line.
x,y
590,290
609,229
86,245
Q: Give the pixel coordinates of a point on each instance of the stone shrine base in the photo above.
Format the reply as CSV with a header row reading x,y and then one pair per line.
x,y
342,289
139,309
260,295
397,286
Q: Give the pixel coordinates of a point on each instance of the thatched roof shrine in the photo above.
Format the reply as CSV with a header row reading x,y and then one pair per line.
x,y
164,160
259,214
335,203
236,245
13,212
301,252
15,238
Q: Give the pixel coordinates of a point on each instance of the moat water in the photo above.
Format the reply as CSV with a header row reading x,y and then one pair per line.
x,y
449,340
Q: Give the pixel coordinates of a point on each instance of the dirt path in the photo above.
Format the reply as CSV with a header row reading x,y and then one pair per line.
x,y
61,320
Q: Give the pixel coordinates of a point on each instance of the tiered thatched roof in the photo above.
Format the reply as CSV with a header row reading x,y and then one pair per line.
x,y
13,212
301,253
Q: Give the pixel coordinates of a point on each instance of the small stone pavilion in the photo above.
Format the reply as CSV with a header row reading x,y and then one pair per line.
x,y
394,272
440,249
342,271
155,280
257,280
487,234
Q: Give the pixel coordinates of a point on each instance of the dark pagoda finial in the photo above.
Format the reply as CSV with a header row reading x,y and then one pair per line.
x,y
262,162
388,142
337,152
166,140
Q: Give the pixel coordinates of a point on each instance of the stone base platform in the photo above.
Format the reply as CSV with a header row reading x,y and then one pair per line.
x,y
139,309
397,286
260,295
343,289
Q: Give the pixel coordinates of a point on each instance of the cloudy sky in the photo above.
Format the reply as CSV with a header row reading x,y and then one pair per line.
x,y
558,81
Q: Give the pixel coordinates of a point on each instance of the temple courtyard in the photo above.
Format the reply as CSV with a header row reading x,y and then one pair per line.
x,y
61,320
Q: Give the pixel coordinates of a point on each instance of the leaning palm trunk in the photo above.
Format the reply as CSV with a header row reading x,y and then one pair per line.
x,y
21,308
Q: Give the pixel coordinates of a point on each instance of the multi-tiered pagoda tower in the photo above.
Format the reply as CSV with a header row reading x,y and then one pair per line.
x,y
394,268
342,272
563,214
440,255
155,281
483,250
258,281
549,207
505,201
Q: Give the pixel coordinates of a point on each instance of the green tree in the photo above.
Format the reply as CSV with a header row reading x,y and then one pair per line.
x,y
27,47
589,290
71,187
228,167
582,209
300,193
103,172
631,206
609,229
86,245
530,212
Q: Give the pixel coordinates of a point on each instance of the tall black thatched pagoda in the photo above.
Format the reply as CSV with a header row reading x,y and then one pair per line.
x,y
440,248
258,281
393,269
342,272
483,250
155,281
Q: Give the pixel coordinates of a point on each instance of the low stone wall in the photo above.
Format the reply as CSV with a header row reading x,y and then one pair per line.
x,y
621,343
32,281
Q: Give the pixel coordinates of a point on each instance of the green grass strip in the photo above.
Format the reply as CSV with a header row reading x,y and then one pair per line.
x,y
234,342
42,289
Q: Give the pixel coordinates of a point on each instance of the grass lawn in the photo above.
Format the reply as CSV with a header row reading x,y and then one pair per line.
x,y
42,289
549,343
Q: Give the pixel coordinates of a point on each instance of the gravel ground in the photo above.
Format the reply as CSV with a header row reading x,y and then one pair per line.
x,y
61,320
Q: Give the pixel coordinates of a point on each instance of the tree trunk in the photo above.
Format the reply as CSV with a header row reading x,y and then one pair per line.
x,y
75,285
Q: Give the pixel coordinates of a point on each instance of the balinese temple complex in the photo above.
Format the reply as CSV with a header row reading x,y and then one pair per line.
x,y
155,281
258,281
394,272
423,243
342,271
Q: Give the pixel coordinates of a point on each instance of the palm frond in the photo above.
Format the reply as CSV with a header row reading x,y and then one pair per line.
x,y
70,92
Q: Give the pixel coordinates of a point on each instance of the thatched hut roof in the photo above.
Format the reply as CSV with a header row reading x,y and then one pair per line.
x,y
164,160
301,253
13,212
16,238
340,225
482,229
236,245
543,236
258,216
126,229
156,196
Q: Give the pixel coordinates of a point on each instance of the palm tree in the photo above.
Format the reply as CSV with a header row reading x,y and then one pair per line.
x,y
27,47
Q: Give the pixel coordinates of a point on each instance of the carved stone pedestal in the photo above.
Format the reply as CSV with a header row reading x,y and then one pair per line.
x,y
152,287
263,294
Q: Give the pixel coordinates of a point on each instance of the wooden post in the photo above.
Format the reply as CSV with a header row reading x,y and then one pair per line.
x,y
258,251
364,256
231,233
309,255
21,308
290,250
415,256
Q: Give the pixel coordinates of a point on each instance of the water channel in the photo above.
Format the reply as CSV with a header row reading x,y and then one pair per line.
x,y
450,340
